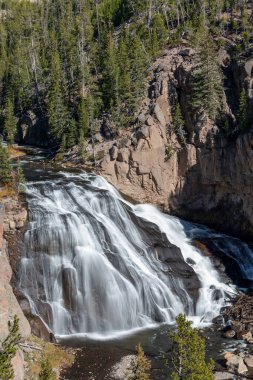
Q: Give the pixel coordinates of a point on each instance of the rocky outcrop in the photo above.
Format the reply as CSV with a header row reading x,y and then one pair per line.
x,y
207,178
9,306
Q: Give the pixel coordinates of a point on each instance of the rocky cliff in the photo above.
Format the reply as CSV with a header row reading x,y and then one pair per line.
x,y
10,219
208,177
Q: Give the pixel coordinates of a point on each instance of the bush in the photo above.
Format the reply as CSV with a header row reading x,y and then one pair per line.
x,y
8,350
46,372
142,366
188,353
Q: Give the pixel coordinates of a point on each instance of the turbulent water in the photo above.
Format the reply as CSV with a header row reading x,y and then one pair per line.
x,y
98,266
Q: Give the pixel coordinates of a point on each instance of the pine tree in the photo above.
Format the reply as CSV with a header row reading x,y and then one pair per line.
x,y
83,116
10,124
82,145
206,82
110,75
71,134
142,366
178,123
57,113
188,353
5,167
243,111
8,350
20,177
46,372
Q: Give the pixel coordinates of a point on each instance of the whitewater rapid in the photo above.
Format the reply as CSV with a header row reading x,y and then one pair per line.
x,y
92,266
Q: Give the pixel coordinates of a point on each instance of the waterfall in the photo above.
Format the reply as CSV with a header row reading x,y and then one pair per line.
x,y
96,265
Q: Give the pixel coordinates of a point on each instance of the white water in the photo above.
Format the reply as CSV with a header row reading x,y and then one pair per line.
x,y
91,269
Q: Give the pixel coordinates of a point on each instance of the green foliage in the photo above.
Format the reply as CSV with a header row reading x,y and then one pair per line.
x,y
5,167
8,350
57,113
179,123
188,353
141,367
243,111
46,372
9,121
82,145
54,55
20,177
206,81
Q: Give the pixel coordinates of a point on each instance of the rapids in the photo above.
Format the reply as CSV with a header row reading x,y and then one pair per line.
x,y
96,266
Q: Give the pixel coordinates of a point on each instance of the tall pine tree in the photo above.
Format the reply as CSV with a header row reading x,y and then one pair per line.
x,y
206,81
10,123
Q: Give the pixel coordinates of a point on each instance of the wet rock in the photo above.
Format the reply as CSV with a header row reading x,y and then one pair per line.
x,y
229,334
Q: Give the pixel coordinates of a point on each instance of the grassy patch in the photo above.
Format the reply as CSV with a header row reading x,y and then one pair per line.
x,y
58,357
6,192
15,152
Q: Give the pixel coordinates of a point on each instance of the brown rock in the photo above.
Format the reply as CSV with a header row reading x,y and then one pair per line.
x,y
243,335
229,334
249,361
235,363
12,225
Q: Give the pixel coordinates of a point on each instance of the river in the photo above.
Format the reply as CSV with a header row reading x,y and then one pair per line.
x,y
104,274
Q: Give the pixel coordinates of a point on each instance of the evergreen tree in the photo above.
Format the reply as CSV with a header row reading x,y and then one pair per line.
x,y
178,123
188,353
71,134
142,366
10,124
57,113
20,177
5,167
82,145
243,111
83,116
206,82
8,350
110,75
46,372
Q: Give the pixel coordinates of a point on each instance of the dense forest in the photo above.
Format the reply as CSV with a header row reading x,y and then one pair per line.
x,y
73,62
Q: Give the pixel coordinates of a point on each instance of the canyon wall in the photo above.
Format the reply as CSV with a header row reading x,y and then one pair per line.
x,y
209,178
10,219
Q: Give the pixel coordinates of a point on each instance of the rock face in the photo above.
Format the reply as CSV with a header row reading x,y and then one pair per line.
x,y
9,305
209,178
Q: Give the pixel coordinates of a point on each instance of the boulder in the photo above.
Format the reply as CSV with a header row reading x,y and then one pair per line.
x,y
245,335
235,363
143,132
150,121
113,152
249,67
123,155
249,361
229,334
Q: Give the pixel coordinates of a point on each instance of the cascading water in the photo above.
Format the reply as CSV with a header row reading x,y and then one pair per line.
x,y
96,265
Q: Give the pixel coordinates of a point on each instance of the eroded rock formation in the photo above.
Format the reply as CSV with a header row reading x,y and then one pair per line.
x,y
209,178
9,305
